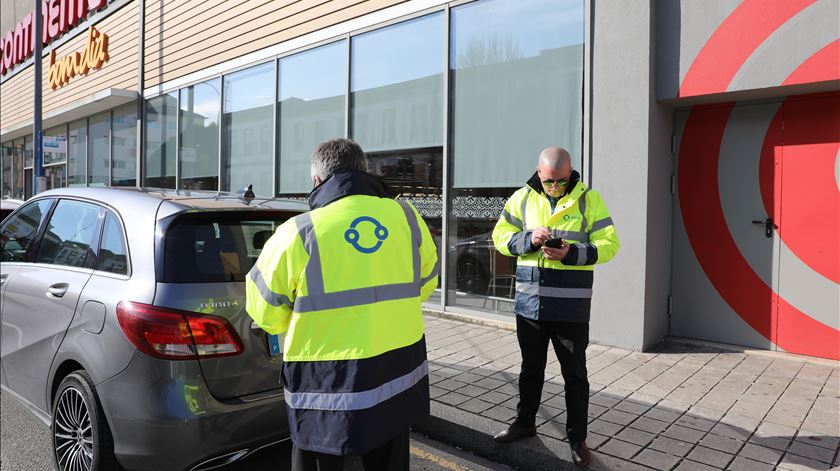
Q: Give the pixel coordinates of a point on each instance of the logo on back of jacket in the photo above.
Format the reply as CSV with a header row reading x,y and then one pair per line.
x,y
353,237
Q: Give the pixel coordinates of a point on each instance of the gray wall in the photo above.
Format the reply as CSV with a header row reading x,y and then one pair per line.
x,y
12,11
622,157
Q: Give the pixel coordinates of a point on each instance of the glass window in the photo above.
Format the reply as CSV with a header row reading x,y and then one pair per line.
x,y
161,122
19,176
69,235
124,161
397,110
310,110
77,153
6,158
56,176
28,153
100,149
200,136
55,145
516,87
216,247
17,233
28,159
248,105
113,256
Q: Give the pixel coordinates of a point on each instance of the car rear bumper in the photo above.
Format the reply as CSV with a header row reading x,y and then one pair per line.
x,y
162,417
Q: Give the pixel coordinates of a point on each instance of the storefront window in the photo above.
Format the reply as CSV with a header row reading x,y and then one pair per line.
x,y
124,153
18,174
55,145
100,149
159,164
310,110
56,176
77,153
199,139
510,62
28,158
247,107
397,110
6,157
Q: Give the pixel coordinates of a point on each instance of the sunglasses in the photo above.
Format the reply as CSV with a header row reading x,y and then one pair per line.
x,y
551,182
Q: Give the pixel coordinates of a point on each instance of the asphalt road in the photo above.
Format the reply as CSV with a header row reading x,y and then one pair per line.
x,y
25,446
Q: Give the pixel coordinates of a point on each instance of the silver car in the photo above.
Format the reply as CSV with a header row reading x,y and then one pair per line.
x,y
124,326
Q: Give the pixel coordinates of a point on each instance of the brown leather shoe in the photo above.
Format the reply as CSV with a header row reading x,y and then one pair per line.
x,y
515,432
581,455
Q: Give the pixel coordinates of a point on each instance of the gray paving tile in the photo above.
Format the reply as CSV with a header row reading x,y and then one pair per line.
x,y
799,463
595,440
603,427
730,431
811,451
594,410
638,437
453,398
665,415
694,466
475,405
618,417
500,413
649,425
671,446
760,453
725,444
824,441
656,459
683,433
715,458
620,449
494,397
631,407
696,423
745,464
472,391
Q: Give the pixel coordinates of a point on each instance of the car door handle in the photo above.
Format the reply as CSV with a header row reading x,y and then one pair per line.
x,y
58,290
3,278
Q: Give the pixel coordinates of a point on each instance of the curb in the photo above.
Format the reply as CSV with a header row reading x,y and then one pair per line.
x,y
474,433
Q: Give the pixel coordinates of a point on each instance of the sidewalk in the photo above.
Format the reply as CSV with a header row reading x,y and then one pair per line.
x,y
677,408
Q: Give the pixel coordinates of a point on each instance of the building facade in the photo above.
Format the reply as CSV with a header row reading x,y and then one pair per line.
x,y
693,120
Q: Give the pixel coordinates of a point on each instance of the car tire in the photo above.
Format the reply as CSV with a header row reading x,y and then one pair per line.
x,y
81,438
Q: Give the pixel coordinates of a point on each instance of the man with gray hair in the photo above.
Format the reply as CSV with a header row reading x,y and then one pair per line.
x,y
345,282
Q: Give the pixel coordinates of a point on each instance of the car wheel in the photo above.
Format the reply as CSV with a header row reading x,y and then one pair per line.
x,y
470,276
81,438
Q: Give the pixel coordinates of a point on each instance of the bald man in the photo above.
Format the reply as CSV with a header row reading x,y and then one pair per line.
x,y
558,229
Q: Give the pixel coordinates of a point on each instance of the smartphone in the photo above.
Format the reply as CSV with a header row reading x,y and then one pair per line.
x,y
554,243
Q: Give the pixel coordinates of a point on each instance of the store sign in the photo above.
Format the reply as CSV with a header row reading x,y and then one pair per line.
x,y
57,18
94,54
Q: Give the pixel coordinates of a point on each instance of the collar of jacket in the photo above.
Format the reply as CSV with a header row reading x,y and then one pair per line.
x,y
348,183
535,183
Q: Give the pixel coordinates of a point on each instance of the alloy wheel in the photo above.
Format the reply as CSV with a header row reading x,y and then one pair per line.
x,y
73,432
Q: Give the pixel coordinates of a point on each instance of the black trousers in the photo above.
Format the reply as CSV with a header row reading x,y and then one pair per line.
x,y
570,340
391,456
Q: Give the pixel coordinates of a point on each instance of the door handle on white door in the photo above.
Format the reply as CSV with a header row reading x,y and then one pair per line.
x,y
58,290
3,278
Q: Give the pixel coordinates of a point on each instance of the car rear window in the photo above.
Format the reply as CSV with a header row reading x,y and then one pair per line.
x,y
208,248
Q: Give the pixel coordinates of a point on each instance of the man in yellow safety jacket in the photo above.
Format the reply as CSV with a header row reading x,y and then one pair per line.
x,y
345,281
559,229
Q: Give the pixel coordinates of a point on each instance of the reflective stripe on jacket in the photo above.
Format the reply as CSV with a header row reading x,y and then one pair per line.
x,y
346,282
552,289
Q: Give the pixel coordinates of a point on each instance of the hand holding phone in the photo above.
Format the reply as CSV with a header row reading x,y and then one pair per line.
x,y
555,243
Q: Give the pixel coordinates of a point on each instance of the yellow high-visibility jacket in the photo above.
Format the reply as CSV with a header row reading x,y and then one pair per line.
x,y
345,282
552,289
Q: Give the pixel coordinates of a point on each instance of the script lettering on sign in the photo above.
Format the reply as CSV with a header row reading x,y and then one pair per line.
x,y
94,54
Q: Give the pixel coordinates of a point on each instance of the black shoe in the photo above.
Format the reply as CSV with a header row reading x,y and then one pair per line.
x,y
515,432
581,455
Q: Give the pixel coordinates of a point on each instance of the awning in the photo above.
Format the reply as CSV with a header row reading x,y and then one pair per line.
x,y
100,101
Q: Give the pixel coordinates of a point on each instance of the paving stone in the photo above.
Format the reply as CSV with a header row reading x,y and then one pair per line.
x,y
696,423
730,431
618,417
649,425
725,444
554,429
472,391
671,446
632,407
811,451
453,398
635,436
664,415
489,383
595,440
745,464
832,443
687,465
500,413
799,463
509,389
558,402
475,405
683,433
776,443
603,427
760,453
715,458
620,449
545,413
554,388
594,410
494,397
468,378
656,459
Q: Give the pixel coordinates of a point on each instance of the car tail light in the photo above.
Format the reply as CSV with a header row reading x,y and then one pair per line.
x,y
172,334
